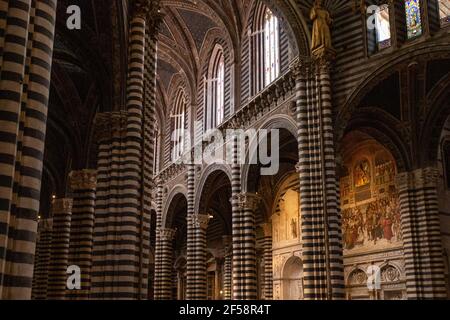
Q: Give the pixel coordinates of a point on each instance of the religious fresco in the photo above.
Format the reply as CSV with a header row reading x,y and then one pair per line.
x,y
413,18
370,204
285,222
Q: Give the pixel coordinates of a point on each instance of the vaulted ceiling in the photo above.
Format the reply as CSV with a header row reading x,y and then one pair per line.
x,y
89,66
82,84
184,33
189,25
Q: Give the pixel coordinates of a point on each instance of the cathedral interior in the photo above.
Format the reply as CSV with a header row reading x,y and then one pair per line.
x,y
104,103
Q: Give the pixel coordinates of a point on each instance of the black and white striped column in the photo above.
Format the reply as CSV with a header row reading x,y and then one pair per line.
x,y
238,275
42,259
59,249
110,132
11,89
227,268
121,253
197,224
422,247
27,34
321,220
83,184
158,249
190,254
148,130
267,255
248,204
163,287
133,270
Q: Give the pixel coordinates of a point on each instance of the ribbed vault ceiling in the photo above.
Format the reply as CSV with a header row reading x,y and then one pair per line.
x,y
182,37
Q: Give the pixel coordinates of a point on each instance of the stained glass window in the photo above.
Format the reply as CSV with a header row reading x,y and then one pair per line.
x,y
271,47
413,18
444,12
383,27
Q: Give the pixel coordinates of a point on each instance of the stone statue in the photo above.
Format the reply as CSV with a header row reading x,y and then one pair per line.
x,y
294,228
321,36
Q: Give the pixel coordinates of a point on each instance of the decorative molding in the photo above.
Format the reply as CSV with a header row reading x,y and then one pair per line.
x,y
63,205
424,177
83,179
170,172
390,273
357,277
199,220
110,124
166,234
267,229
248,200
45,225
268,99
301,66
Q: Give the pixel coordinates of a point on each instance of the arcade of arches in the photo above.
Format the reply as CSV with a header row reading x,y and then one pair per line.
x,y
97,136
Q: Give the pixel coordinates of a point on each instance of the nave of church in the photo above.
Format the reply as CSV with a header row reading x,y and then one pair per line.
x,y
224,150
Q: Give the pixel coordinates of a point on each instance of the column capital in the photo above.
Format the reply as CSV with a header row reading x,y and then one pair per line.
x,y
227,243
83,179
300,66
423,177
141,8
323,63
267,229
149,10
248,200
166,233
45,224
298,167
199,220
110,124
62,205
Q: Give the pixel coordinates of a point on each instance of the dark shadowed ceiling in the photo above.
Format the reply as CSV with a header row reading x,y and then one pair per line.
x,y
84,62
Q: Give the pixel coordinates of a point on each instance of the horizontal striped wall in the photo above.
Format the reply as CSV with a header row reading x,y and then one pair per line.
x,y
350,66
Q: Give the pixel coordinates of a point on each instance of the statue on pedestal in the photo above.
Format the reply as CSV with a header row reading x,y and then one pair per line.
x,y
321,35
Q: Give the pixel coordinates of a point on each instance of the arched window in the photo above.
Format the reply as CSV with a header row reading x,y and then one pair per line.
x,y
444,12
413,18
178,122
271,47
264,48
215,97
